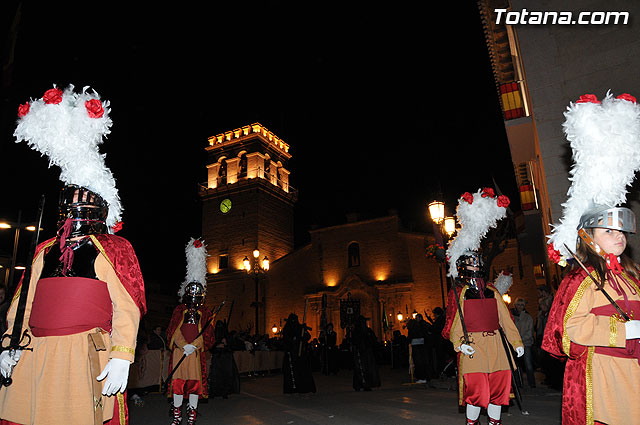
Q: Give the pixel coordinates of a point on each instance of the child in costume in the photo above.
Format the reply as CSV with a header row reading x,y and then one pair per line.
x,y
483,356
599,337
187,321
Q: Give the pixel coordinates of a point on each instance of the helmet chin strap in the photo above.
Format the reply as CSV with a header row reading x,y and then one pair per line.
x,y
612,261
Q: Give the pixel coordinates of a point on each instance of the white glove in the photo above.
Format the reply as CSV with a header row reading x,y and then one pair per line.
x,y
8,359
520,351
632,329
117,373
189,349
467,349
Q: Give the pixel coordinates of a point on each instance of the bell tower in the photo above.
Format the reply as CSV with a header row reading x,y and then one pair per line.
x,y
247,204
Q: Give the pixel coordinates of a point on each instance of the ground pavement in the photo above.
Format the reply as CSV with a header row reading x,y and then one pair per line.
x,y
397,402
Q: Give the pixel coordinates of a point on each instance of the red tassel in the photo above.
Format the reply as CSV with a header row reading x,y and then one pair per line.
x,y
64,232
613,264
67,251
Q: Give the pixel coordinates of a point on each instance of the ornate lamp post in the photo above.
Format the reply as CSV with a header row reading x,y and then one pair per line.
x,y
441,224
257,269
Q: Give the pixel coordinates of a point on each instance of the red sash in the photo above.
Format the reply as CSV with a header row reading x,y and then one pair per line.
x,y
189,332
481,315
70,305
632,348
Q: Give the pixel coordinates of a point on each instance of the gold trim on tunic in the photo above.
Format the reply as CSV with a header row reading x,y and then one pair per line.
x,y
123,349
613,331
571,309
589,385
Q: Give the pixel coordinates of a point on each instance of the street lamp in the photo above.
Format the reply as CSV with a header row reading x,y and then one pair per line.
x,y
257,269
399,316
436,211
450,225
17,225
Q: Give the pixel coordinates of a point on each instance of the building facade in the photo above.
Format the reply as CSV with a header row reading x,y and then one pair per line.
x,y
539,69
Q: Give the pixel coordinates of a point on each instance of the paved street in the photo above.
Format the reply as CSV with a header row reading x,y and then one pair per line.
x,y
395,403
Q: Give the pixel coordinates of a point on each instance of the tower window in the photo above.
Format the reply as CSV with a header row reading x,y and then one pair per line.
x,y
223,261
353,253
222,172
243,166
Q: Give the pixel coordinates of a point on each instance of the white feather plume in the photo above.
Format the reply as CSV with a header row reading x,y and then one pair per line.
x,y
69,137
503,282
476,218
605,140
196,253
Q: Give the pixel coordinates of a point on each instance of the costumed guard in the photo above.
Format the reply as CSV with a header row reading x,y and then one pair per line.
x,y
296,365
224,378
365,369
593,319
484,371
86,292
188,319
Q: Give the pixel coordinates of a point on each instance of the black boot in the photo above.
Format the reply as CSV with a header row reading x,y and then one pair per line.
x,y
191,415
176,412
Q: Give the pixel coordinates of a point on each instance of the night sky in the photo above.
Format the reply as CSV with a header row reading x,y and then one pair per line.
x,y
382,105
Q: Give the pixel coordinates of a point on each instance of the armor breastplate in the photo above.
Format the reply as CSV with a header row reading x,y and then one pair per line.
x,y
84,257
191,316
472,293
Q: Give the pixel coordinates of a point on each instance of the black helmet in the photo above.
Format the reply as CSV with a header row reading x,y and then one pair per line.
x,y
86,210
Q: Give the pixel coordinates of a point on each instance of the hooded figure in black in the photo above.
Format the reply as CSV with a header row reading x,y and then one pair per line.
x,y
224,378
419,339
365,369
296,366
328,340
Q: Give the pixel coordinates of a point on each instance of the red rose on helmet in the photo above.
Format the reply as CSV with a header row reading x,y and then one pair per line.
x,y
627,97
503,201
197,243
23,109
52,96
94,108
117,227
487,191
468,197
588,98
554,254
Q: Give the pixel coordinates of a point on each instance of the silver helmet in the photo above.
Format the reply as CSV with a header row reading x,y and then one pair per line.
x,y
194,295
615,218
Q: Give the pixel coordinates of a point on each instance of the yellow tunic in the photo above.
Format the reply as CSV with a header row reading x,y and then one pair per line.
x,y
53,384
190,368
490,355
615,381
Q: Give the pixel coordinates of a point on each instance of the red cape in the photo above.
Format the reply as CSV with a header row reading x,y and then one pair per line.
x,y
208,338
578,357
